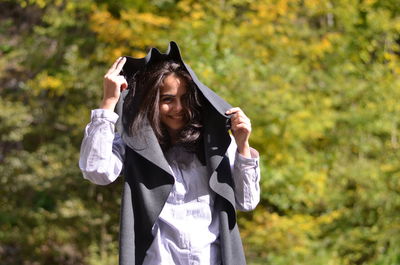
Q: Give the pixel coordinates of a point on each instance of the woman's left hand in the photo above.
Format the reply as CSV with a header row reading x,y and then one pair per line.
x,y
241,130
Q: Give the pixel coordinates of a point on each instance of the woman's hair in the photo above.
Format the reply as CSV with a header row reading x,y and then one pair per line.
x,y
144,106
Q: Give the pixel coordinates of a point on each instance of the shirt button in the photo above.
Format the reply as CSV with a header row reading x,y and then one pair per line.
x,y
183,245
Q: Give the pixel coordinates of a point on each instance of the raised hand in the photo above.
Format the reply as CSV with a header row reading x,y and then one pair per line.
x,y
241,130
113,84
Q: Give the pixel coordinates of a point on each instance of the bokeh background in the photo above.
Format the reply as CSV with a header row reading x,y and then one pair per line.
x,y
320,80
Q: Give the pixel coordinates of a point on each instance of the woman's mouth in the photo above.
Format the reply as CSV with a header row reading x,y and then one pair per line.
x,y
176,117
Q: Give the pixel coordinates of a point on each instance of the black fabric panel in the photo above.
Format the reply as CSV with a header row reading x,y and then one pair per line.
x,y
150,187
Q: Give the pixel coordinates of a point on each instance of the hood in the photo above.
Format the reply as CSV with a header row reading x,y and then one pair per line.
x,y
216,122
133,65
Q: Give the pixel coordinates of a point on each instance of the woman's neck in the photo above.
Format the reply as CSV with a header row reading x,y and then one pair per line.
x,y
173,135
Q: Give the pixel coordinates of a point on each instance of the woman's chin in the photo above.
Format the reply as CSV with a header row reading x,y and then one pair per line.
x,y
175,130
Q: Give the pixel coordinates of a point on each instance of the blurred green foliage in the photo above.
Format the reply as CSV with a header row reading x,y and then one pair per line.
x,y
320,80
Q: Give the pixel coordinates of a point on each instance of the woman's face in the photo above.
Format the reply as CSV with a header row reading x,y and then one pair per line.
x,y
172,112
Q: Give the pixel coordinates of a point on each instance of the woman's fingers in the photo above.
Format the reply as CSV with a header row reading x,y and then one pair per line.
x,y
240,123
120,64
116,68
241,130
121,82
240,118
113,84
233,110
238,115
112,68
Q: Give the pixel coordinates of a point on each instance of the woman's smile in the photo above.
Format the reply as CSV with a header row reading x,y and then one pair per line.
x,y
175,117
171,104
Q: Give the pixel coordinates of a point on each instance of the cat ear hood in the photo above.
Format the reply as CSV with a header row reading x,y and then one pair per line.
x,y
134,65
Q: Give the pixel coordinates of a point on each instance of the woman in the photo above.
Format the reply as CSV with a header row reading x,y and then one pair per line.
x,y
184,177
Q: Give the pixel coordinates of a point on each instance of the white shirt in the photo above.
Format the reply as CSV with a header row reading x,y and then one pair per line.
x,y
187,229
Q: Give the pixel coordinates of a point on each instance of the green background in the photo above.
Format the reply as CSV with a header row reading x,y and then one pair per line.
x,y
320,80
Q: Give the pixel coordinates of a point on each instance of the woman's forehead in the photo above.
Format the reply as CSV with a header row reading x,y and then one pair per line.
x,y
173,84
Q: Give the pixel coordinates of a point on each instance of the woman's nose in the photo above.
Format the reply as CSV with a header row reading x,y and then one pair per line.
x,y
178,105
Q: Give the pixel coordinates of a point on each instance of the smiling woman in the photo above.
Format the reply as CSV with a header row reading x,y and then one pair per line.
x,y
172,111
184,175
169,100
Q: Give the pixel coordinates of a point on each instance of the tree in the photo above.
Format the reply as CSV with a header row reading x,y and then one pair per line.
x,y
318,78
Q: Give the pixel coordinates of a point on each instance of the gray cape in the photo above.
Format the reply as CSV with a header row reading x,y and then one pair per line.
x,y
148,179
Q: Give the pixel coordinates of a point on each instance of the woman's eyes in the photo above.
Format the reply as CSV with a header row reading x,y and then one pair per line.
x,y
169,99
166,100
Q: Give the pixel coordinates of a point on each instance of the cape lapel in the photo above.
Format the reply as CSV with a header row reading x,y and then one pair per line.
x,y
216,125
144,141
216,143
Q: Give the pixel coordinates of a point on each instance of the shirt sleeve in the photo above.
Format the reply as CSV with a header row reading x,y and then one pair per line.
x,y
102,150
246,177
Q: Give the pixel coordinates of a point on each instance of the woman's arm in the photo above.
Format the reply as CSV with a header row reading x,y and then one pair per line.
x,y
113,84
246,176
244,162
102,151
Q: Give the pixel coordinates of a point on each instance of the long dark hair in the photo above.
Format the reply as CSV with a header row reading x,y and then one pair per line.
x,y
144,106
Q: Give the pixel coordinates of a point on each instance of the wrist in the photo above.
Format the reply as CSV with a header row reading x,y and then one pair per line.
x,y
244,150
108,104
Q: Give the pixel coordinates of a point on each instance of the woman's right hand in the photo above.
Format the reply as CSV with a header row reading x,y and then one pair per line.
x,y
113,84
